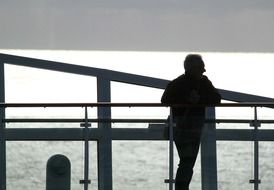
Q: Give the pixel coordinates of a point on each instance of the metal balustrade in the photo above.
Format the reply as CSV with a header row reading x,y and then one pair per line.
x,y
104,120
87,134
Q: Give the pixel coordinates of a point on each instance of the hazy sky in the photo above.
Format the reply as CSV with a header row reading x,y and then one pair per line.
x,y
165,25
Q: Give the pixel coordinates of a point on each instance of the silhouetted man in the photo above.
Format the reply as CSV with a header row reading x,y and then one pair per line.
x,y
191,88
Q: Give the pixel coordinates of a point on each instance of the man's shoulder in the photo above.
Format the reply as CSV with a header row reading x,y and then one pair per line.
x,y
205,79
176,83
179,79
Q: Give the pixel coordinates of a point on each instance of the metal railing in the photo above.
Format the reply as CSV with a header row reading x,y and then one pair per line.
x,y
104,78
88,133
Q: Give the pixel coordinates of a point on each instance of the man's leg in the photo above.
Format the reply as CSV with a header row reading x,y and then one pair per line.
x,y
187,147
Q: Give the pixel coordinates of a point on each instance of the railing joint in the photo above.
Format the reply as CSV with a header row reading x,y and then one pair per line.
x,y
255,181
169,181
85,124
82,181
255,123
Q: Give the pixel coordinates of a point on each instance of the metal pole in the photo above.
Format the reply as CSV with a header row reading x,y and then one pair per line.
x,y
209,153
256,124
171,157
86,126
86,150
2,131
104,143
256,151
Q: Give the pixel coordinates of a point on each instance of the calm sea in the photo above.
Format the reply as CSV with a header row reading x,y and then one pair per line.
x,y
136,165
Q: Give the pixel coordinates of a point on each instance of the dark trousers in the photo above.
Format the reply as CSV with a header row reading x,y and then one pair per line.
x,y
187,141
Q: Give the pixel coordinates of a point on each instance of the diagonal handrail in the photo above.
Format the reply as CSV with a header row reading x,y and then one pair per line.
x,y
247,100
115,76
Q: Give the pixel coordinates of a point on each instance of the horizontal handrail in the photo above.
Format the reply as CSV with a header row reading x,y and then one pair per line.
x,y
108,104
76,120
63,120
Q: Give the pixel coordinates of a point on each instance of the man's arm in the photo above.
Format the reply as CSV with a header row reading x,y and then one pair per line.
x,y
210,94
168,94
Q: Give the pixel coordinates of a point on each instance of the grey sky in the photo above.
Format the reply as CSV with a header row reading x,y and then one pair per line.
x,y
157,25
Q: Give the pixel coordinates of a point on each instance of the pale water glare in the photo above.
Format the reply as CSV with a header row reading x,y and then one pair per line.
x,y
136,165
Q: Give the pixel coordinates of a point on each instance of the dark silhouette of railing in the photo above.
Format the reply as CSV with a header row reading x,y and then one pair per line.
x,y
90,134
104,78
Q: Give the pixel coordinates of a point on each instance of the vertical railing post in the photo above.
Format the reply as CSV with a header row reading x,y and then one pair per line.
x,y
209,153
171,151
2,130
256,124
86,126
104,143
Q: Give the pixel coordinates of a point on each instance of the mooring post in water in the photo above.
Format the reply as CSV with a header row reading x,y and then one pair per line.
x,y
58,173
